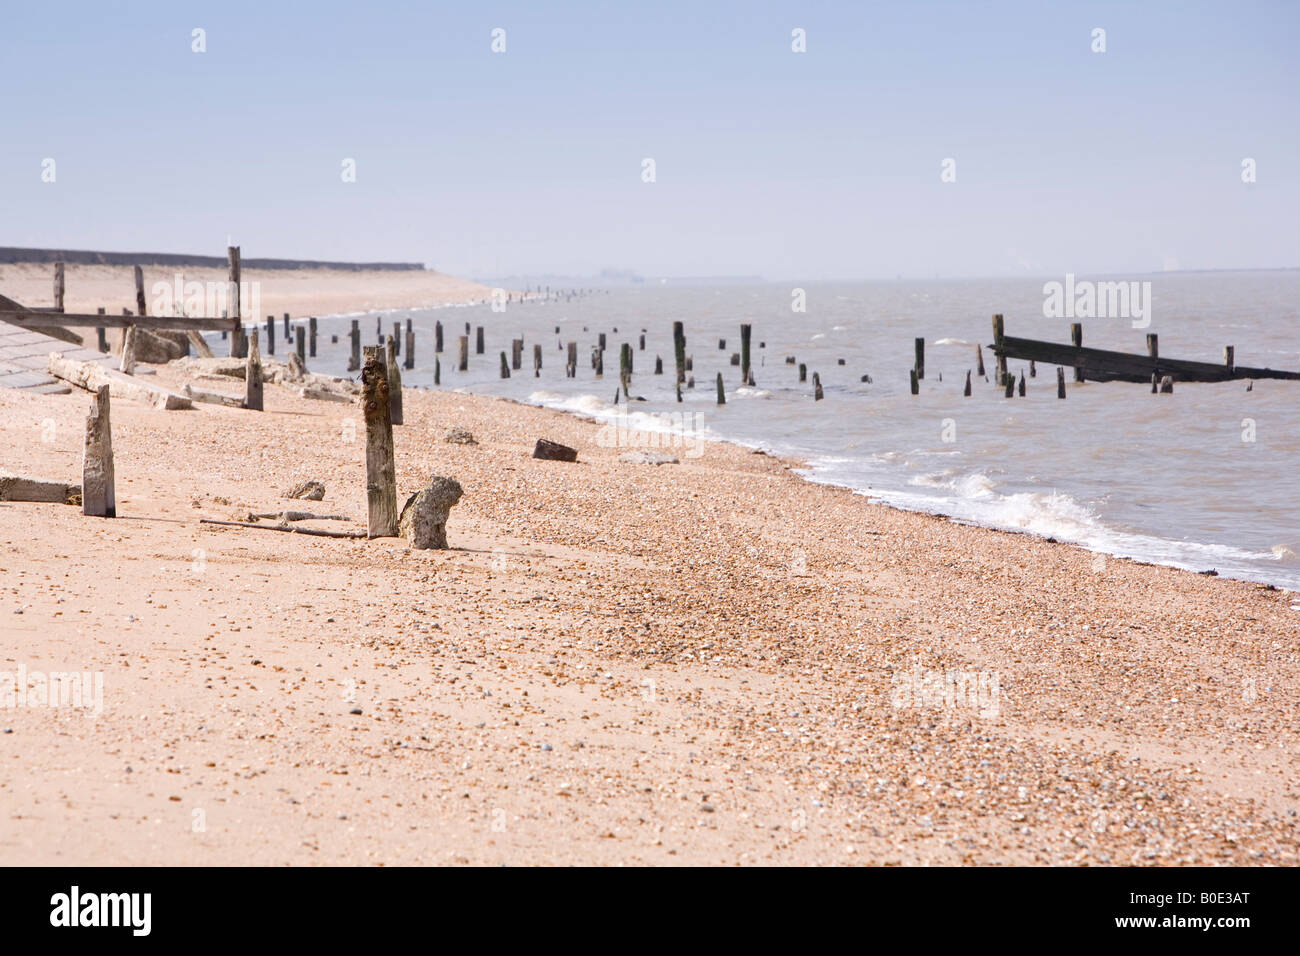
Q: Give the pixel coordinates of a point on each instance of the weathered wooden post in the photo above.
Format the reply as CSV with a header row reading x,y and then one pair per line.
x,y
722,397
288,332
462,363
1229,357
270,335
537,361
979,361
598,360
505,366
127,364
516,354
1060,382
409,361
437,337
1155,383
1000,364
98,497
966,392
600,341
437,370
642,341
920,357
803,372
394,382
1167,385
140,307
722,345
101,339
745,331
571,366
478,341
253,374
659,365
381,474
301,345
1021,387
232,301
1033,369
58,287
354,360
1076,338
1011,385
817,387
1153,345
311,336
914,382
679,352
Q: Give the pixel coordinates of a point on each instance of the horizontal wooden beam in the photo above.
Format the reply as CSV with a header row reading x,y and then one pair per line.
x,y
1103,365
30,319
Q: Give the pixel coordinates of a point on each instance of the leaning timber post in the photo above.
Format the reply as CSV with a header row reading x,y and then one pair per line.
x,y
915,383
381,475
1000,363
1229,359
140,307
232,301
659,365
722,396
311,336
128,351
1076,338
1153,345
979,362
437,337
354,360
1060,382
745,331
462,363
920,358
409,361
270,335
679,351
394,383
537,361
98,498
58,287
253,374
101,339
817,387
301,345
478,341
1021,387
505,366
966,392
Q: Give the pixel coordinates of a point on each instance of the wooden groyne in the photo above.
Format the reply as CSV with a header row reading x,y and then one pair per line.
x,y
1104,365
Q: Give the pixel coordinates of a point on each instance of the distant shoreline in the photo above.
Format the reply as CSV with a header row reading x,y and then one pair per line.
x,y
13,255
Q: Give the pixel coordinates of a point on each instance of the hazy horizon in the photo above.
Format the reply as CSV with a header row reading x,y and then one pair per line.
x,y
822,165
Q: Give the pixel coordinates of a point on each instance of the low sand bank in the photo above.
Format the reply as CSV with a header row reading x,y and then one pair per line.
x,y
709,662
299,292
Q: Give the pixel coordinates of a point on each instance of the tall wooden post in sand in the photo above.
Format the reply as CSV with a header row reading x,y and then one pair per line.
x,y
381,475
301,343
97,494
140,307
253,374
58,286
232,302
394,383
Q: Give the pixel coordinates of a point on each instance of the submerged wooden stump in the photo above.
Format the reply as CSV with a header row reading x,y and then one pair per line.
x,y
98,497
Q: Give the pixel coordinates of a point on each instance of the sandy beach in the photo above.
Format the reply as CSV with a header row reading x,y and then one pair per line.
x,y
299,292
709,662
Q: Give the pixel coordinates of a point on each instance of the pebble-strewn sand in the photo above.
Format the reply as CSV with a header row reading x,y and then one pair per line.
x,y
616,664
296,291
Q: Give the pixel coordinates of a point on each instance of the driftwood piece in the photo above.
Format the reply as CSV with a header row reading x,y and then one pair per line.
x,y
324,395
201,347
381,476
210,398
89,376
98,497
309,490
127,365
288,528
294,516
18,488
554,451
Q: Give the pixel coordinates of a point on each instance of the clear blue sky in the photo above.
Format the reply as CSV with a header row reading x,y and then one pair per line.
x,y
824,164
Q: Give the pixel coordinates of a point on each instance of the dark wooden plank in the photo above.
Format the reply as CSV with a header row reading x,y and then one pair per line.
x,y
1104,365
31,319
